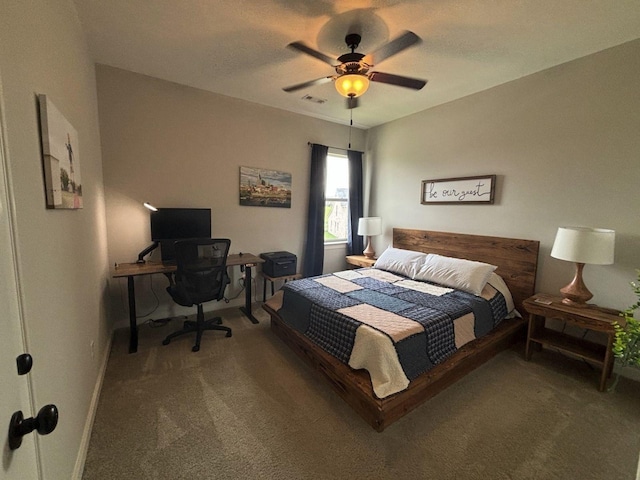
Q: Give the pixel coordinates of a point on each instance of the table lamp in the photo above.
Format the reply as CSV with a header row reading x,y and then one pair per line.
x,y
368,227
582,245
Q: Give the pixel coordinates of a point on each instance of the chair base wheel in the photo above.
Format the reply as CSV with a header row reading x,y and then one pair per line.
x,y
198,327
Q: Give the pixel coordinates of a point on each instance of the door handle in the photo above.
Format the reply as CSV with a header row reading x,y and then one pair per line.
x,y
44,423
24,363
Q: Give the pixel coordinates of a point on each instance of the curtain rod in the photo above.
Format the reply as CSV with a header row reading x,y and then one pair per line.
x,y
337,148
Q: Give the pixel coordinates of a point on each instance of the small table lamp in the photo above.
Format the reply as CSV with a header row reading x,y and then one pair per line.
x,y
582,245
368,227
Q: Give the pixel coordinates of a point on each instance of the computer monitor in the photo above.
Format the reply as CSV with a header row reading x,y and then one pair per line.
x,y
171,224
180,223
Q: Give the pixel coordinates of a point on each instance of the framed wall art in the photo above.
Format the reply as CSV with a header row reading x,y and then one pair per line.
x,y
480,189
265,188
61,162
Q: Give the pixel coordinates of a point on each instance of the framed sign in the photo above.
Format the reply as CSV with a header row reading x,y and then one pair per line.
x,y
458,190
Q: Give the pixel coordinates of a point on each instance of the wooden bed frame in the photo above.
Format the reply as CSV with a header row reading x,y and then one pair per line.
x,y
516,261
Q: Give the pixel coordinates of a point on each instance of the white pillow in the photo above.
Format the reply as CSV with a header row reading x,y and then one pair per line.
x,y
497,282
456,273
404,262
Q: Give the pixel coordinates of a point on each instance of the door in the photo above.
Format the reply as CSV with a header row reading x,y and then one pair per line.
x,y
15,393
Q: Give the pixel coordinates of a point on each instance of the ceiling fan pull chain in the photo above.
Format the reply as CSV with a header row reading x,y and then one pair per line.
x,y
350,126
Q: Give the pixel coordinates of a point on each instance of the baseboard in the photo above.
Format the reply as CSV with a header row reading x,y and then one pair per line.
x,y
173,310
88,427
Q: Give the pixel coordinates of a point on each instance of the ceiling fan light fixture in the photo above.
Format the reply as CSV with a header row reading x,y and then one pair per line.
x,y
352,85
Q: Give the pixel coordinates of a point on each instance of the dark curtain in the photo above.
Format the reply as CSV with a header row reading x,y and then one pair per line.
x,y
314,249
355,243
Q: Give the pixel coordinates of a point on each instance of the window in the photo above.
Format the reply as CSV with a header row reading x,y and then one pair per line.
x,y
336,208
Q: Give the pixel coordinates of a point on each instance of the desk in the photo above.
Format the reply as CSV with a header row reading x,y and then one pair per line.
x,y
131,270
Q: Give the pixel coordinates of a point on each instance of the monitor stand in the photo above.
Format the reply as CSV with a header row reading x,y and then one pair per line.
x,y
146,252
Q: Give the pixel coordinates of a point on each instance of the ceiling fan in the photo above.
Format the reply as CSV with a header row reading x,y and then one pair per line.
x,y
352,73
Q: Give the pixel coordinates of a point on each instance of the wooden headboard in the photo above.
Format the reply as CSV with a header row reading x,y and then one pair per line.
x,y
517,260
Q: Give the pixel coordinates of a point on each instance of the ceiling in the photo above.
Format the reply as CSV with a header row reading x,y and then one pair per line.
x,y
238,48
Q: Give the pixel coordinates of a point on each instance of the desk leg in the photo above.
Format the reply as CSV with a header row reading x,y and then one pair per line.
x,y
247,298
133,327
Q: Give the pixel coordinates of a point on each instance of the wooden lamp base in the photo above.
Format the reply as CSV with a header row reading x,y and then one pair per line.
x,y
369,252
576,293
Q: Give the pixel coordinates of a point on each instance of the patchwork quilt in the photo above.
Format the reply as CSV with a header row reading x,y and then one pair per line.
x,y
393,327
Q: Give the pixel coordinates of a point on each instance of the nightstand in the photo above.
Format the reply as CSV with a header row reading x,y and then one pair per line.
x,y
360,261
590,317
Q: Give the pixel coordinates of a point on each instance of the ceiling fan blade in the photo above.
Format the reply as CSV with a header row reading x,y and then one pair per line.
x,y
414,83
352,102
301,47
310,83
398,44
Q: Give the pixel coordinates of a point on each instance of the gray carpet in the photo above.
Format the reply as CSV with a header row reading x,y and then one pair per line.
x,y
247,407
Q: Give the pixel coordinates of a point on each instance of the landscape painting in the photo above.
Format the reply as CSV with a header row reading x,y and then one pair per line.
x,y
63,183
265,188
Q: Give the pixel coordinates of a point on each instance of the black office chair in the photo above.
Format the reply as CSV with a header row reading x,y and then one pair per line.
x,y
201,277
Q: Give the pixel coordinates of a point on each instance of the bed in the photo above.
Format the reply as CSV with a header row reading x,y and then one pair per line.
x,y
398,292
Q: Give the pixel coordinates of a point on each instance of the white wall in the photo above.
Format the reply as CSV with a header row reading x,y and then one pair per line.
x,y
62,255
565,145
177,146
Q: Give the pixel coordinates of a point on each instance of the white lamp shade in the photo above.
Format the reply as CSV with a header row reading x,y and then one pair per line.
x,y
584,245
369,226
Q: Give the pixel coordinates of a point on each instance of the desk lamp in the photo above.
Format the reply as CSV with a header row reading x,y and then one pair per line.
x,y
582,245
368,227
